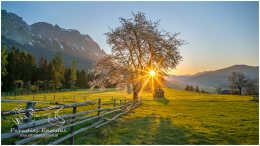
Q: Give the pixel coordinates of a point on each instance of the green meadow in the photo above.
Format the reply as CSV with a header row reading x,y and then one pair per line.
x,y
181,117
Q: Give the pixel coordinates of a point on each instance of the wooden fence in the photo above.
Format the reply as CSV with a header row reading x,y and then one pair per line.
x,y
54,97
105,112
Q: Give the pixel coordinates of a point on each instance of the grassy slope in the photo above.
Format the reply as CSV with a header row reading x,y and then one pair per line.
x,y
180,118
183,118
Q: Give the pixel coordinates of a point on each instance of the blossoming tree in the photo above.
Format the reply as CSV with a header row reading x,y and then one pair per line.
x,y
141,55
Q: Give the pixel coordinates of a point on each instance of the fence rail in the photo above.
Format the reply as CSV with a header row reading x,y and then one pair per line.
x,y
106,112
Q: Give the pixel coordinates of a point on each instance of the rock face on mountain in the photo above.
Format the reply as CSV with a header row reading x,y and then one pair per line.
x,y
210,80
44,40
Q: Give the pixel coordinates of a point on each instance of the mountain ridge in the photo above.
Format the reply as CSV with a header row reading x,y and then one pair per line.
x,y
210,80
43,39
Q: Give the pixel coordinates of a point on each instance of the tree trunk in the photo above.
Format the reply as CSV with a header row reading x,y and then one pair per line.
x,y
135,91
240,90
135,95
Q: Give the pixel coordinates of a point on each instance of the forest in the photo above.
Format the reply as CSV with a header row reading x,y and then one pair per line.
x,y
21,73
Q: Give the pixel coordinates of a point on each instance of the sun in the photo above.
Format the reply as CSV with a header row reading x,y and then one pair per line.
x,y
153,76
152,73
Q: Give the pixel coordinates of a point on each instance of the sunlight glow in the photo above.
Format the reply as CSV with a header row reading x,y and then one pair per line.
x,y
152,73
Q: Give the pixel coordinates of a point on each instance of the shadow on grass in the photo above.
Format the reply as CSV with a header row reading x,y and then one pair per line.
x,y
146,130
162,100
168,133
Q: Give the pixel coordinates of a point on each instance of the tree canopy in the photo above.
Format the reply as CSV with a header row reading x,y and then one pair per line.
x,y
138,47
238,80
4,62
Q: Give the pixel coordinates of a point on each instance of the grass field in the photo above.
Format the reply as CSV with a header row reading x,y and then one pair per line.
x,y
180,118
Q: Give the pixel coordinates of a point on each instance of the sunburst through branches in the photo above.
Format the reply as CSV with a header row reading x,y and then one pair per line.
x,y
152,76
152,73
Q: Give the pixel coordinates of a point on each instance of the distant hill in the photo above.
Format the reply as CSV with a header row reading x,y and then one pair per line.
x,y
44,40
210,80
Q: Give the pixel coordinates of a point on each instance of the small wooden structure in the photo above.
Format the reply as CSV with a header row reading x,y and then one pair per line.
x,y
225,92
158,92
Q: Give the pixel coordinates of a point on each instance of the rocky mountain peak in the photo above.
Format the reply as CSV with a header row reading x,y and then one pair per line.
x,y
46,37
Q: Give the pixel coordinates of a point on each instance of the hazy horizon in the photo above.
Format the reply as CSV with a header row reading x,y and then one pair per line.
x,y
219,34
215,69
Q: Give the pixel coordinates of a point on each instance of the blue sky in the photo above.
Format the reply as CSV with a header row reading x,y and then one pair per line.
x,y
219,34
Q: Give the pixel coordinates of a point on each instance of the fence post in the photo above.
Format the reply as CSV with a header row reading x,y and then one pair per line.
x,y
125,103
99,103
114,108
30,106
120,104
72,128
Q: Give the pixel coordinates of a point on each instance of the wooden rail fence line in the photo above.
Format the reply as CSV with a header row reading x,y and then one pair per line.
x,y
103,116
